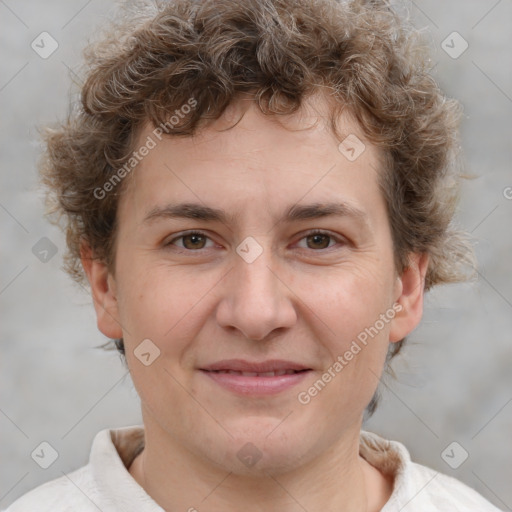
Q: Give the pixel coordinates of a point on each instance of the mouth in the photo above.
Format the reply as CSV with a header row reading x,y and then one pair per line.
x,y
276,373
253,379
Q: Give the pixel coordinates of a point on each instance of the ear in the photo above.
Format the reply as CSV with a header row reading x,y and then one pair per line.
x,y
411,285
103,290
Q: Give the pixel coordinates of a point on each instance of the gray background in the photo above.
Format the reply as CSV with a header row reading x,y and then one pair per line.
x,y
454,380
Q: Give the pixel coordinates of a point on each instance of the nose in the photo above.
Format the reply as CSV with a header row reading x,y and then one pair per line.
x,y
256,300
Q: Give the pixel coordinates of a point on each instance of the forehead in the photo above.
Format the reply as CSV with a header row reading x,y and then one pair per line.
x,y
247,157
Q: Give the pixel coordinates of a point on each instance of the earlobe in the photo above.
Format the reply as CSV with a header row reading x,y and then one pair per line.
x,y
104,295
410,298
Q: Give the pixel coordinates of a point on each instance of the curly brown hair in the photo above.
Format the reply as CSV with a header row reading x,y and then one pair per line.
x,y
158,55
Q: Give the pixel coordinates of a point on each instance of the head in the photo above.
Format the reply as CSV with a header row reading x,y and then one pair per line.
x,y
314,157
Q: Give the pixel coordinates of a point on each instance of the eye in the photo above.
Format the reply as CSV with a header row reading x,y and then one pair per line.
x,y
318,239
197,240
191,240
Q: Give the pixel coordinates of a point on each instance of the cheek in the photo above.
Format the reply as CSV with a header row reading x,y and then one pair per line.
x,y
157,299
356,306
349,300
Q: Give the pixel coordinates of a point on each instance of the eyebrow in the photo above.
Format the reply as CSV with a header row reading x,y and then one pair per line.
x,y
294,213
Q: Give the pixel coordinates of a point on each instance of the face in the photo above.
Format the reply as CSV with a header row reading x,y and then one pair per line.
x,y
269,300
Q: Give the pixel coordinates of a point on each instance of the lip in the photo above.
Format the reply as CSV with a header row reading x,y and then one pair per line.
x,y
241,365
256,384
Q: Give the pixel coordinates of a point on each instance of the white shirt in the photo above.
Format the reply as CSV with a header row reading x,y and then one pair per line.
x,y
105,483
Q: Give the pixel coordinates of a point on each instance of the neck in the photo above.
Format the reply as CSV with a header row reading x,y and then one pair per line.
x,y
178,480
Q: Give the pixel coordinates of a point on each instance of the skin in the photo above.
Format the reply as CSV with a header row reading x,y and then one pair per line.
x,y
304,299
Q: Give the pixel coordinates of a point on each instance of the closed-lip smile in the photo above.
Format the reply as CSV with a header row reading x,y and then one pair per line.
x,y
256,378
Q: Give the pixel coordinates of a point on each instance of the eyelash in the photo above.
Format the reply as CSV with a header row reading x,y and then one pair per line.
x,y
313,232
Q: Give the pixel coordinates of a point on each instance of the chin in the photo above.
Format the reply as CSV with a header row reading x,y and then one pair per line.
x,y
260,446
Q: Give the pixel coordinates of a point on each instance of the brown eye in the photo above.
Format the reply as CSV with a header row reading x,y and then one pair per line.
x,y
318,241
194,241
190,241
